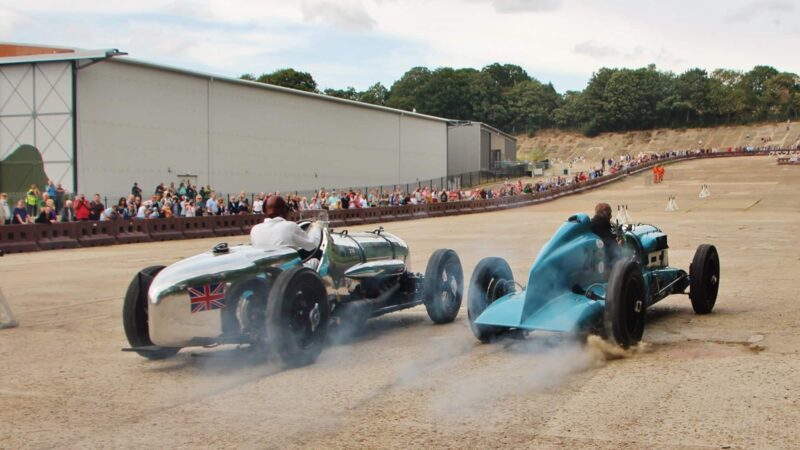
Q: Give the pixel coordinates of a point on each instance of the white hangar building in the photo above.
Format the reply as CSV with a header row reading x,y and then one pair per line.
x,y
101,121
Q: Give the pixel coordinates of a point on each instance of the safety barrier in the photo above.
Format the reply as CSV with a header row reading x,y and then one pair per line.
x,y
56,236
93,234
18,238
132,231
27,238
165,229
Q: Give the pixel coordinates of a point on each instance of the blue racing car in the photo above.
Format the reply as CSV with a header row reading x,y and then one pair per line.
x,y
574,286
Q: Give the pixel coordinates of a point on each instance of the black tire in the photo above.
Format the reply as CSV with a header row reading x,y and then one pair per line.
x,y
134,315
626,302
704,279
491,279
297,316
443,287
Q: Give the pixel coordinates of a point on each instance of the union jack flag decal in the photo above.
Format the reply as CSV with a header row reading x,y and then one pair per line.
x,y
207,297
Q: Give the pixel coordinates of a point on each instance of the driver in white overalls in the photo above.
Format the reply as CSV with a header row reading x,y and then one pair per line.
x,y
276,231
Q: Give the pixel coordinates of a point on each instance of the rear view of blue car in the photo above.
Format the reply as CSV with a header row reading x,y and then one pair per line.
x,y
575,287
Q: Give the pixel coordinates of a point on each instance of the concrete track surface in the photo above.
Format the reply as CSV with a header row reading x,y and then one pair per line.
x,y
730,379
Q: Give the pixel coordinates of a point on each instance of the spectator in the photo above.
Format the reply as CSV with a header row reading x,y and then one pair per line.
x,y
159,190
244,203
199,206
233,206
96,208
31,199
122,207
166,212
109,214
188,209
61,194
258,204
212,206
81,208
142,212
136,191
20,213
68,214
5,212
47,215
220,206
51,189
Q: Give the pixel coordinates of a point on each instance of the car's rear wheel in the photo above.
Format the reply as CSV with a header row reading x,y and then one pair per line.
x,y
135,316
297,316
626,301
704,279
491,279
443,287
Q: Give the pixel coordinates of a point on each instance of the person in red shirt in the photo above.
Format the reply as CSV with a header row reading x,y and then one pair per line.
x,y
81,207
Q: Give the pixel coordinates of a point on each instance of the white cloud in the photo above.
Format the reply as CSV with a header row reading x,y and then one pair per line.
x,y
757,8
346,14
512,6
561,38
595,50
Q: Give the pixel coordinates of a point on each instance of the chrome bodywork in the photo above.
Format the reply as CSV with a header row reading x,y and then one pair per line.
x,y
345,260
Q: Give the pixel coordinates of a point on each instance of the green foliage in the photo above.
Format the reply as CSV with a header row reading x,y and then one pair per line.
x,y
289,78
507,97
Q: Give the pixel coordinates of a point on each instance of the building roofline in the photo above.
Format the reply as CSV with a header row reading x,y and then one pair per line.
x,y
483,125
55,57
272,87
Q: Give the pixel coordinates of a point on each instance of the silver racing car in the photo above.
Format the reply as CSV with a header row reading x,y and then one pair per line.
x,y
283,301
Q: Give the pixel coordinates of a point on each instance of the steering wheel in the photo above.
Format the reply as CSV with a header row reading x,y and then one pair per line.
x,y
305,255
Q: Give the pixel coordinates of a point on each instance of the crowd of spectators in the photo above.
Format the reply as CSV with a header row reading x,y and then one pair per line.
x,y
53,204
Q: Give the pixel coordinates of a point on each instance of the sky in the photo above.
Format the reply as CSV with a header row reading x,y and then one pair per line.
x,y
359,42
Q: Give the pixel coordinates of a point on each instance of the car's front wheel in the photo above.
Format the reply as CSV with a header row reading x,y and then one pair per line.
x,y
704,279
443,287
297,316
626,301
135,316
491,279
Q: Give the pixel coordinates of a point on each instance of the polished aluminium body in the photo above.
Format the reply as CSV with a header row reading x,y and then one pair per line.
x,y
345,259
283,301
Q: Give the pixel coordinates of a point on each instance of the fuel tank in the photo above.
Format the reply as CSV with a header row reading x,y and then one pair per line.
x,y
363,248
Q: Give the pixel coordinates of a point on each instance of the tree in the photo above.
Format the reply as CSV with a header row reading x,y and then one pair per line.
x,y
377,94
349,93
531,105
289,78
506,75
405,92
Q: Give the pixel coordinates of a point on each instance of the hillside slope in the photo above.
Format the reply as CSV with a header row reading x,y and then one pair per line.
x,y
566,145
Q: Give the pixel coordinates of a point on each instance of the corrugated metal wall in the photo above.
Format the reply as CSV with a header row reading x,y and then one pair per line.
x,y
149,125
36,110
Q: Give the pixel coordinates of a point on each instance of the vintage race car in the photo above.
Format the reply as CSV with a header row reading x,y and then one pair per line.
x,y
571,287
272,301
